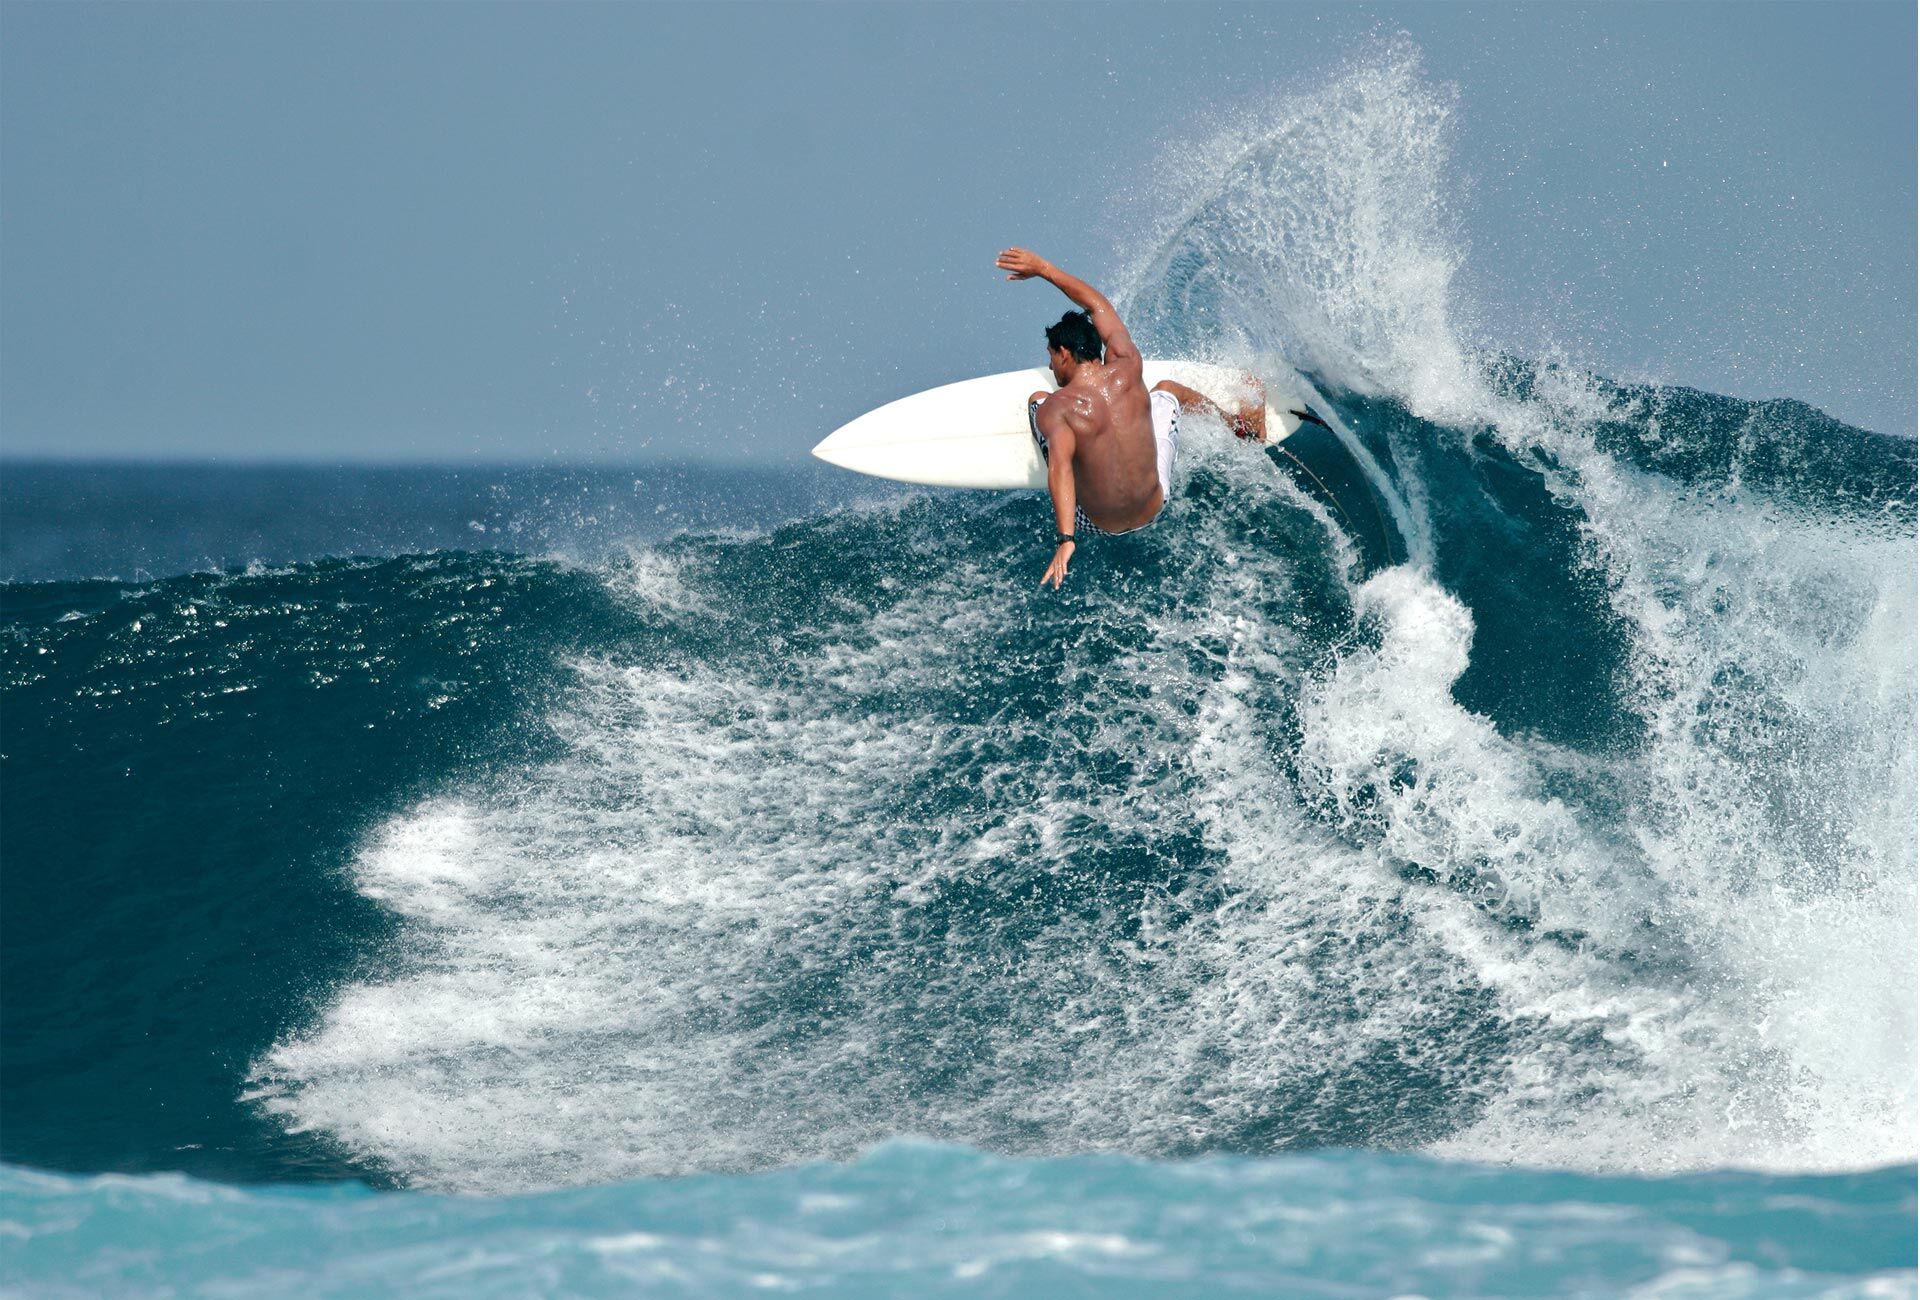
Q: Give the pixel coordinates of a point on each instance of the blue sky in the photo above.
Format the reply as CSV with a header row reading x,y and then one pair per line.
x,y
600,232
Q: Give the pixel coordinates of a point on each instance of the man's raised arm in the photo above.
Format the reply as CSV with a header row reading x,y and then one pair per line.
x,y
1022,265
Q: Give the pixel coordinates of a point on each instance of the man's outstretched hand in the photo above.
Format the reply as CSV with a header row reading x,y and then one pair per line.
x,y
1021,264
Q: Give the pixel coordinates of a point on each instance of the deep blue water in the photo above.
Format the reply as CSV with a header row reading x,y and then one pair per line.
x,y
134,521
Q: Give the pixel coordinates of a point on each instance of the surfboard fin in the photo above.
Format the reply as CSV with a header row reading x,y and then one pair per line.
x,y
1305,415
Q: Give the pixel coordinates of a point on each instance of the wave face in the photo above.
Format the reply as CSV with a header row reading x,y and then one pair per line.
x,y
1584,837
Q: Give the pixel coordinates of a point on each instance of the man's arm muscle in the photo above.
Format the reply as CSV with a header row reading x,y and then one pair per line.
x,y
1113,333
1061,442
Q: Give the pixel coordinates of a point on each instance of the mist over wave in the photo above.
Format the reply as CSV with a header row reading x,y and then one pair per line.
x,y
1757,564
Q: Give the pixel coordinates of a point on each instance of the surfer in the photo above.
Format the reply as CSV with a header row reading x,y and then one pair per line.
x,y
1108,440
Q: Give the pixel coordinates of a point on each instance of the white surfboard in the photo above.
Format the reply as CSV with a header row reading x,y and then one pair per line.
x,y
973,434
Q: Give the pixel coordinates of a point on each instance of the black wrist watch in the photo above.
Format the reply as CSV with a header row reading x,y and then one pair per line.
x,y
1064,537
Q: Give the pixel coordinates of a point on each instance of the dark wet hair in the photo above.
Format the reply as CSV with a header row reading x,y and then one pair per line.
x,y
1075,332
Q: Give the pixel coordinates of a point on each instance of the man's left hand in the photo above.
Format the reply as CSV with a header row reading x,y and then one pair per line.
x,y
1020,264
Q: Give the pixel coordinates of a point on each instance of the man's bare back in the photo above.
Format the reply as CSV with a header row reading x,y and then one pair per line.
x,y
1103,462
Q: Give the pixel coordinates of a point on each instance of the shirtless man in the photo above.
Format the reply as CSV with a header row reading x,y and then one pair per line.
x,y
1109,441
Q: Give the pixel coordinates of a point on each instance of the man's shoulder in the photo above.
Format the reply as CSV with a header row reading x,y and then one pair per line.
x,y
1125,383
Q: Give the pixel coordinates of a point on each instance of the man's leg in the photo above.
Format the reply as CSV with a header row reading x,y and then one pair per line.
x,y
1246,424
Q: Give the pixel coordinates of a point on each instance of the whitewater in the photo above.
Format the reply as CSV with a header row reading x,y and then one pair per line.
x,y
906,923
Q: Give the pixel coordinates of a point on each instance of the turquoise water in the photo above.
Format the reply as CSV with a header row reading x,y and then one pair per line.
x,y
915,1219
549,880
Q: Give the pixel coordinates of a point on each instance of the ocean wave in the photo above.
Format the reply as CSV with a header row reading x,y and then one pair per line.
x,y
1573,828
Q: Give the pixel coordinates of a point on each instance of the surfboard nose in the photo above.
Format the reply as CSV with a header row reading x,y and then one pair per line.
x,y
835,456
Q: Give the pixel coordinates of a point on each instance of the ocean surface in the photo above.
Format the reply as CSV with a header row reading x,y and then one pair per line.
x,y
448,881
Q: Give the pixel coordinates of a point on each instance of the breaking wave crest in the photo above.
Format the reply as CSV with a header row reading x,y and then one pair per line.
x,y
1584,837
